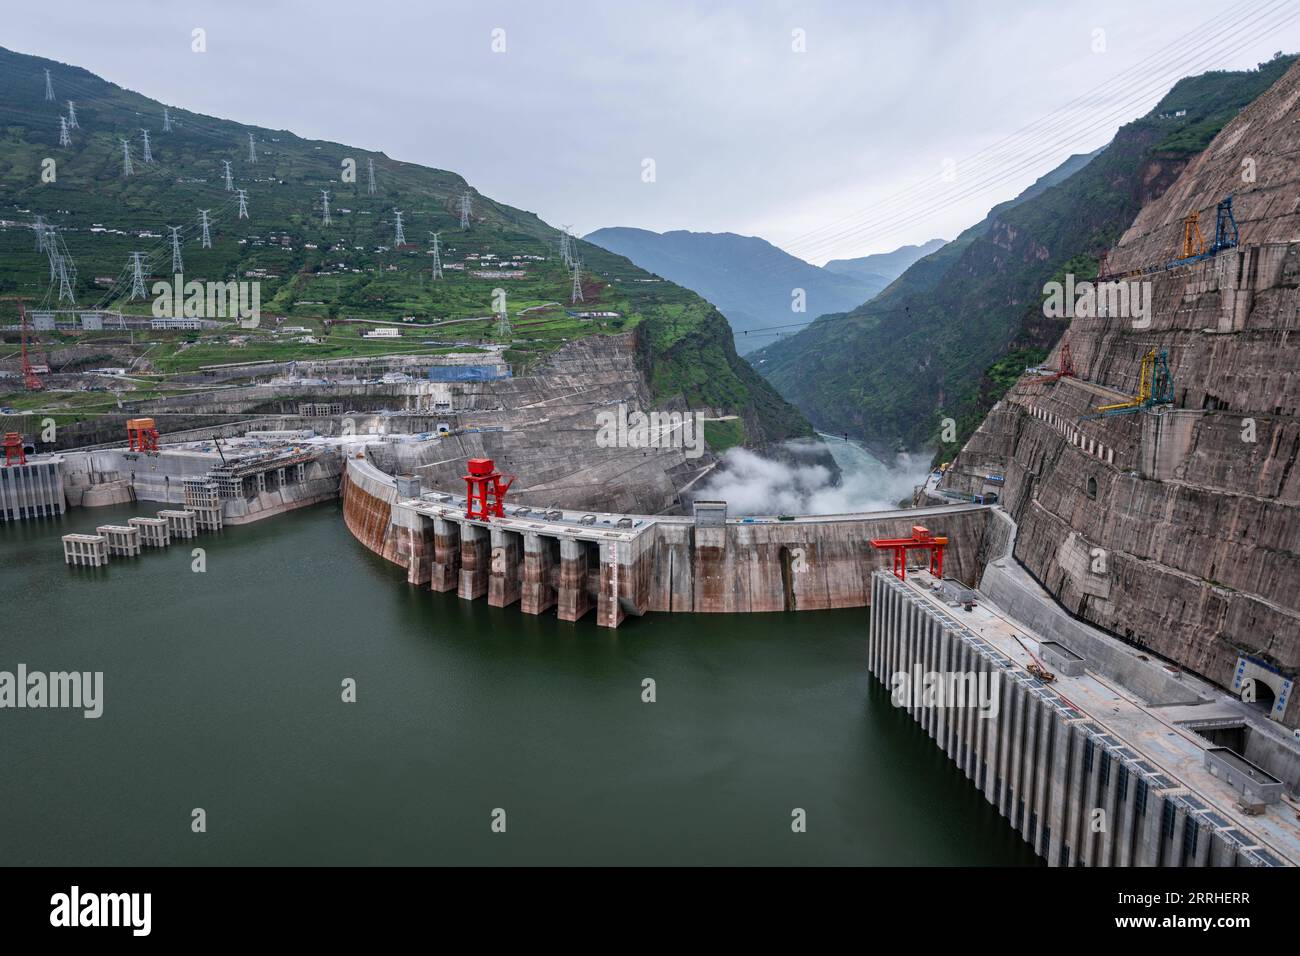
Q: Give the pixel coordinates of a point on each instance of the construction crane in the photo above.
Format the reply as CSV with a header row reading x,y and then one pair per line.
x,y
1155,387
921,539
31,380
1064,367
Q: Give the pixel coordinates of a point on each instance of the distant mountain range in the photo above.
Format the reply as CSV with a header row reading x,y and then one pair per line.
x,y
751,281
888,265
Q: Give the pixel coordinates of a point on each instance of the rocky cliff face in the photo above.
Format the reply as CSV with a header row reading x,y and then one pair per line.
x,y
1178,527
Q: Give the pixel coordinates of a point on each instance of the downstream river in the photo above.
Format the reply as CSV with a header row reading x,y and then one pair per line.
x,y
223,691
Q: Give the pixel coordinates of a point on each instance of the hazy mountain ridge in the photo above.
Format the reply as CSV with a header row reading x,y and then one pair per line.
x,y
751,281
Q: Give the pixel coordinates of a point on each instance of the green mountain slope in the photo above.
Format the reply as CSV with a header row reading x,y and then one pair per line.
x,y
326,278
937,342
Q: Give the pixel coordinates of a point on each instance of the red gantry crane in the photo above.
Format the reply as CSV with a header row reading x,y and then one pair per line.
x,y
485,493
921,539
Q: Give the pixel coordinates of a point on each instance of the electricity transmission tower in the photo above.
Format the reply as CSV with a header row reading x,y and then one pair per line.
x,y
148,156
436,272
67,279
243,203
203,221
39,226
167,121
577,282
370,164
325,198
178,264
126,158
64,138
137,277
72,116
400,238
230,184
252,149
49,87
464,210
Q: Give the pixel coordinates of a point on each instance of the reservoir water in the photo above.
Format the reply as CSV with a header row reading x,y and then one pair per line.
x,y
223,691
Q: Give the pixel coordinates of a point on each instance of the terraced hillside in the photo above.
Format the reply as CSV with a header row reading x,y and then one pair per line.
x,y
328,280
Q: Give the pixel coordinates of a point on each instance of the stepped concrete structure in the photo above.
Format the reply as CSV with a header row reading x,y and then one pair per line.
x,y
1176,528
627,564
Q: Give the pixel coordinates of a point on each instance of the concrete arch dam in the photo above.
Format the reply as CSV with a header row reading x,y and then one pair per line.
x,y
624,565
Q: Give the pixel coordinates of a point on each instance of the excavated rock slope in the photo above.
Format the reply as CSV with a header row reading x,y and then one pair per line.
x,y
1178,528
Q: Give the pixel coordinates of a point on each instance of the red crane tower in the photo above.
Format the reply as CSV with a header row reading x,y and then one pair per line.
x,y
921,538
485,493
30,379
13,445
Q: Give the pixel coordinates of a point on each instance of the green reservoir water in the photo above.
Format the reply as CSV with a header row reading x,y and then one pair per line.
x,y
222,690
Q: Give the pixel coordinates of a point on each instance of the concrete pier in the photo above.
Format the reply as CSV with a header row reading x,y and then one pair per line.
x,y
85,550
153,531
541,557
1089,773
180,524
571,592
123,540
506,567
445,571
475,561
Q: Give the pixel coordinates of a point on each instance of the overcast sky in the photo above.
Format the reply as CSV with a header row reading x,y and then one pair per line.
x,y
747,133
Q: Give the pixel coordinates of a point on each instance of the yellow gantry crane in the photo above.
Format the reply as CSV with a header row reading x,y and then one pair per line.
x,y
1155,387
1193,238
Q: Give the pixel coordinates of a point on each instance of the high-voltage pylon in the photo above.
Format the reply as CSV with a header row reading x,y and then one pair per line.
x,y
137,276
39,227
67,279
206,242
148,156
178,264
167,120
503,322
65,139
325,199
577,282
243,203
370,165
566,247
230,183
72,115
436,271
465,209
49,87
52,252
126,158
399,237
252,149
